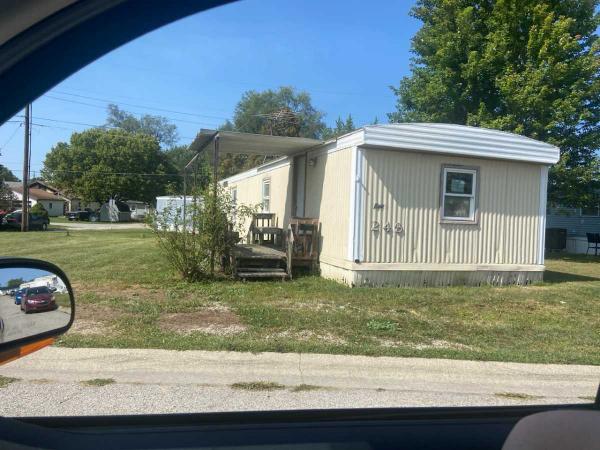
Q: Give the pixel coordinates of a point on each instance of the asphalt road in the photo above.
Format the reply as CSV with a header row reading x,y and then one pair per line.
x,y
17,324
161,381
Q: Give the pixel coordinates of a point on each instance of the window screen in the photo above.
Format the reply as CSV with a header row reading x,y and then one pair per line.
x,y
458,195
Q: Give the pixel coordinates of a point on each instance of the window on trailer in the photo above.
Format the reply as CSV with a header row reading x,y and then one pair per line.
x,y
459,190
266,195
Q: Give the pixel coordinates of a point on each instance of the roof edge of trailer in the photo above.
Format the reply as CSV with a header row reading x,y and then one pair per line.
x,y
460,140
440,138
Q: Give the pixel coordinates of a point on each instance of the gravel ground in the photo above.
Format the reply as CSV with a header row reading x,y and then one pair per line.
x,y
56,381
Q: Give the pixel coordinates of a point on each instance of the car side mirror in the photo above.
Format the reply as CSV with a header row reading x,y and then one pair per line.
x,y
36,306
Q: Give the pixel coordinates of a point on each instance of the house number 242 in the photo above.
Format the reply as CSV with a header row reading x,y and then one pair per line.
x,y
376,226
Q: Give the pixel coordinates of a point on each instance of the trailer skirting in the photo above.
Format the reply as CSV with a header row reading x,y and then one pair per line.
x,y
432,278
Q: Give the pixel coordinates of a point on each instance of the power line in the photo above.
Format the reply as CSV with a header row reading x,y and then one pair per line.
x,y
111,173
12,136
68,100
185,113
105,126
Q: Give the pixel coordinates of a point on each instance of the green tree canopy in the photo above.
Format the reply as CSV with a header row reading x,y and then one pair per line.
x,y
14,283
525,66
6,174
156,126
281,112
98,164
341,127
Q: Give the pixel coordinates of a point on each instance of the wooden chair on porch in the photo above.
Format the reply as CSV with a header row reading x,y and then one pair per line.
x,y
264,231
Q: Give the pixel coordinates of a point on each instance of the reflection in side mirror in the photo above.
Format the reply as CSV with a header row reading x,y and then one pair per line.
x,y
35,302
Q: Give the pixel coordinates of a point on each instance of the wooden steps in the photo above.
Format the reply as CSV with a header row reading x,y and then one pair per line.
x,y
253,261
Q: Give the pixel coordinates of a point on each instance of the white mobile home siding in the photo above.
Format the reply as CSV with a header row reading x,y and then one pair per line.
x,y
249,190
408,185
328,199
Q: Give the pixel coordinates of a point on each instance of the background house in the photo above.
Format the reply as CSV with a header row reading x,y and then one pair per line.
x,y
409,204
48,197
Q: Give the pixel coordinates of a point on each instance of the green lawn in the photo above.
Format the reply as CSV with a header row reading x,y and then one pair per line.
x,y
128,297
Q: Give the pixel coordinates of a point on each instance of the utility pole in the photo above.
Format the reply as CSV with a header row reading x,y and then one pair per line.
x,y
27,151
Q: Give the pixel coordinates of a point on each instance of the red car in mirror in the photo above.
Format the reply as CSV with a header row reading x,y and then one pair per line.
x,y
38,298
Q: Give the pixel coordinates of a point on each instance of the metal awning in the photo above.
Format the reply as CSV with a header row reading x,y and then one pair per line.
x,y
255,144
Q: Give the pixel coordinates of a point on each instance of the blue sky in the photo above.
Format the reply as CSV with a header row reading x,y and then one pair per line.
x,y
344,53
25,274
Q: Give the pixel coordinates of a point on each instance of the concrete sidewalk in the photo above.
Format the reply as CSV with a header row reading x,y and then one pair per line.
x,y
168,381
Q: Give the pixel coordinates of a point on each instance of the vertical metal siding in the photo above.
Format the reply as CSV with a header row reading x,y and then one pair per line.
x,y
408,185
249,193
328,199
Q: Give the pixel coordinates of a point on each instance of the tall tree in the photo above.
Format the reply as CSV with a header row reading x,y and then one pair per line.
x,y
341,127
6,174
98,164
199,174
155,126
281,112
527,66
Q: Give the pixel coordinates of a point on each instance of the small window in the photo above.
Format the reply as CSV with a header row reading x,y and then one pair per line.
x,y
49,205
266,195
459,194
590,211
234,195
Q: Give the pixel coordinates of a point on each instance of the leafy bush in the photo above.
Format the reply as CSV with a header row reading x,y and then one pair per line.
x,y
39,210
194,244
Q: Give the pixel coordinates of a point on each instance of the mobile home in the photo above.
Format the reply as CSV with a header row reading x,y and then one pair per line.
x,y
408,204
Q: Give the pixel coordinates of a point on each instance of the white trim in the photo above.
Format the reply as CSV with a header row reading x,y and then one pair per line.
x,y
472,196
460,140
264,168
430,267
352,199
433,267
355,223
542,213
359,194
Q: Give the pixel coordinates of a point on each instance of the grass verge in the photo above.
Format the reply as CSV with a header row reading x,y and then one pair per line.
x,y
127,297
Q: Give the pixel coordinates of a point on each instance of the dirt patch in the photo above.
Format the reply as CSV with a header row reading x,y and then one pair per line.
x,y
92,319
435,344
216,319
308,335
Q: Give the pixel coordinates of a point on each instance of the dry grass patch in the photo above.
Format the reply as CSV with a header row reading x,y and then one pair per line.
x,y
305,388
217,320
308,335
517,396
434,344
98,382
257,386
5,381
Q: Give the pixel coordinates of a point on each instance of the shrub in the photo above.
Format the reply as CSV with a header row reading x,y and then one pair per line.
x,y
194,244
39,210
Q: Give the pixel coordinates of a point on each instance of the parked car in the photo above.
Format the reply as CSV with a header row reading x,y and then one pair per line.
x,y
19,296
36,222
37,298
86,215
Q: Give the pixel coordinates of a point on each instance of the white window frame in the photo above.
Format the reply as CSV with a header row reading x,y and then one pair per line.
x,y
473,205
266,199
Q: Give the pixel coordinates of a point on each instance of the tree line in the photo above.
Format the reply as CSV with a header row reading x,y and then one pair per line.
x,y
530,67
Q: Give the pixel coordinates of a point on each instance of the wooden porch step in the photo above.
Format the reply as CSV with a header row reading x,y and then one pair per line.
x,y
247,269
274,274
